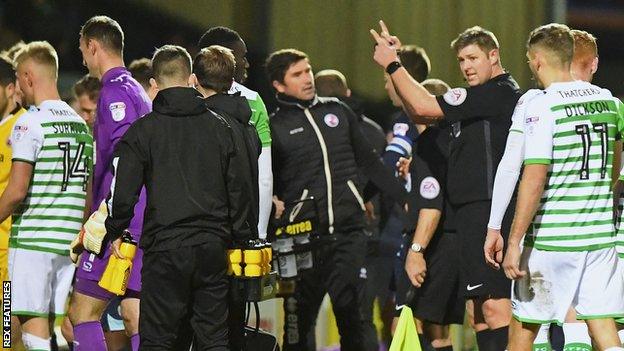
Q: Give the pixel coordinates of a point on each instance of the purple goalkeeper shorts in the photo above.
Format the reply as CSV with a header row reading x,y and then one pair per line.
x,y
91,268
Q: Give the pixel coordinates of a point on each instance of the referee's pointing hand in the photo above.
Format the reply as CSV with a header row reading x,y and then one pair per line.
x,y
386,46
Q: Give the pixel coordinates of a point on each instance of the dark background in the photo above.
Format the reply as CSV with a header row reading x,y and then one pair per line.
x,y
148,26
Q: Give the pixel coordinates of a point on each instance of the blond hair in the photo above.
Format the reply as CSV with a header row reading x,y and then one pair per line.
x,y
555,38
41,53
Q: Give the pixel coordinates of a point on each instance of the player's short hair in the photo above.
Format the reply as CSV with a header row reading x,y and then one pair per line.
x,y
415,61
13,50
477,35
141,70
7,71
214,67
330,82
222,36
106,31
436,86
278,63
89,86
41,53
585,47
171,63
557,39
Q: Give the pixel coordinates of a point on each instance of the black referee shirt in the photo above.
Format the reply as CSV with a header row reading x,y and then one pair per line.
x,y
429,173
480,118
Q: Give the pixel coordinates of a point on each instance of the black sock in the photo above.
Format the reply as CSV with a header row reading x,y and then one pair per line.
x,y
493,339
483,340
445,348
556,337
53,343
425,343
500,337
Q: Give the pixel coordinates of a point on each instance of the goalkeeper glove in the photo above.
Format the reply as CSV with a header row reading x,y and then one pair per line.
x,y
92,235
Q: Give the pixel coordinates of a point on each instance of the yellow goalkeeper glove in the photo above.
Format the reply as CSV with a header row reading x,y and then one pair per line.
x,y
91,237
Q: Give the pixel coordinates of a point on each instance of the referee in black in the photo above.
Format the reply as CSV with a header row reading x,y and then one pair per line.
x,y
197,204
430,257
480,117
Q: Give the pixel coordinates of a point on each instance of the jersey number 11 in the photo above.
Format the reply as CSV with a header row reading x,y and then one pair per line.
x,y
602,129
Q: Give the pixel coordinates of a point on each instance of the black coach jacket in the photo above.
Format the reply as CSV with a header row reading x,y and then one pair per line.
x,y
195,179
317,149
237,113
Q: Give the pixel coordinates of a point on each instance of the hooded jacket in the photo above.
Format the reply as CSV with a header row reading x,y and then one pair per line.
x,y
237,113
318,150
186,157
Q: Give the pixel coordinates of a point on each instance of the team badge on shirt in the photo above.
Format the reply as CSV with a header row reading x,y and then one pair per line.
x,y
429,188
118,111
530,124
455,96
331,120
19,132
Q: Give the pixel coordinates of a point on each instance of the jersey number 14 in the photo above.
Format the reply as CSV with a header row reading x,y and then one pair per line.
x,y
74,167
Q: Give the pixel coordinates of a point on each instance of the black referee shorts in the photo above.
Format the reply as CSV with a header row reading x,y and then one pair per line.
x,y
478,280
437,300
185,287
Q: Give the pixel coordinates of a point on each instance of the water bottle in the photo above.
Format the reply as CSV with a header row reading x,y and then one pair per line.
x,y
287,262
253,262
235,258
304,254
117,272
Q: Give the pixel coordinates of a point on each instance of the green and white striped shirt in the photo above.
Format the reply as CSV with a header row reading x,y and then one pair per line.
x,y
59,145
572,128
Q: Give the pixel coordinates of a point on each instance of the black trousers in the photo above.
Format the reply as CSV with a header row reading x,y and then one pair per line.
x,y
336,272
185,287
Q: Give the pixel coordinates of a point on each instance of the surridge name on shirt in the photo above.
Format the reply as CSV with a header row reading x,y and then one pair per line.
x,y
70,127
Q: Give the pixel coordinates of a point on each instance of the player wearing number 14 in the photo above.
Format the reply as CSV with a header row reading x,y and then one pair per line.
x,y
52,153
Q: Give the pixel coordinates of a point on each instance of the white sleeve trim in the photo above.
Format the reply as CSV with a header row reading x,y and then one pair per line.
x,y
265,190
109,203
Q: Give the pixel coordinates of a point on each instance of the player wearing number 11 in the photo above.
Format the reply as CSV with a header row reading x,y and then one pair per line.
x,y
565,202
52,156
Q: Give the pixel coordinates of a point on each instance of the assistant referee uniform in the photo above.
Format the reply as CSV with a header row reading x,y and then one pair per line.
x,y
437,300
480,117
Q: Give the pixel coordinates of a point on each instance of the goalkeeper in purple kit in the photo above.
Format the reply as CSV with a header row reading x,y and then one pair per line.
x,y
122,101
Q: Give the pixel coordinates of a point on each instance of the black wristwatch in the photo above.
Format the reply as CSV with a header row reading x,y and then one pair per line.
x,y
393,66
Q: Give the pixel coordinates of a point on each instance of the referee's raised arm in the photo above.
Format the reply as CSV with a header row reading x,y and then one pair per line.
x,y
422,106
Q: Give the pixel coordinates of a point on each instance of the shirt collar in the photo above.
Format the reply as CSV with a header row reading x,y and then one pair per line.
x,y
113,73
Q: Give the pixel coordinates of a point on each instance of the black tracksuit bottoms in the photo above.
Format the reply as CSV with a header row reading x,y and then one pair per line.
x,y
336,271
183,287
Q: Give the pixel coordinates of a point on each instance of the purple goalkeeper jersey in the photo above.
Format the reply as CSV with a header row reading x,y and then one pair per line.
x,y
122,101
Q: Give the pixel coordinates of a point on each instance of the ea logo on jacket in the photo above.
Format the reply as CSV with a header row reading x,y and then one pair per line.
x,y
331,120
